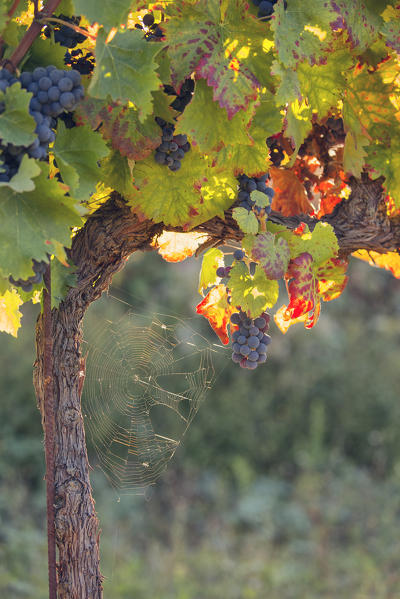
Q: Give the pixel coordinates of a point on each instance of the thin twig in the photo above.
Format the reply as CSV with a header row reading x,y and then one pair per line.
x,y
50,434
70,25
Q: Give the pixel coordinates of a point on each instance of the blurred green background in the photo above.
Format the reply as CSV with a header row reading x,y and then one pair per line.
x,y
287,484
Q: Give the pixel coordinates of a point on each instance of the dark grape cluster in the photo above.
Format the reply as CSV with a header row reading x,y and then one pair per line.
x,y
249,184
275,151
83,62
153,33
265,8
54,91
64,35
250,339
183,98
172,148
39,268
10,155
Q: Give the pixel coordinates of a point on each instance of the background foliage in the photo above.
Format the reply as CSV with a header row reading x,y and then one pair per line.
x,y
286,486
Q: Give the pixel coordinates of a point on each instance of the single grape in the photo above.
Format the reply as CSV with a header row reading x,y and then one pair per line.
x,y
235,335
236,358
253,342
25,79
160,157
251,365
53,93
45,83
260,322
148,19
33,87
38,73
168,134
173,146
252,268
253,356
251,185
180,139
247,323
42,96
242,339
175,166
75,77
262,358
55,108
236,347
164,146
186,147
262,348
65,84
221,273
243,196
239,254
56,75
244,350
266,339
67,100
235,318
43,133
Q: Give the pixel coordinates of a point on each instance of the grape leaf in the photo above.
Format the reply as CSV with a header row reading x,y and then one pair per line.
x,y
125,69
290,196
10,316
17,126
272,253
361,25
354,154
391,31
116,172
30,220
176,247
246,220
385,161
62,278
289,86
214,127
389,261
212,259
121,125
249,159
331,278
323,85
23,179
302,32
261,200
40,52
187,197
78,151
253,294
110,14
213,40
216,309
298,123
301,287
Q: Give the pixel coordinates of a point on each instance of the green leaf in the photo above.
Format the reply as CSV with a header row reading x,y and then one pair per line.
x,y
22,180
121,126
223,45
190,196
125,69
385,161
117,173
62,278
77,152
30,220
246,220
298,123
360,24
109,14
354,154
212,259
272,253
289,86
17,126
41,51
252,294
260,198
321,243
302,32
207,124
324,85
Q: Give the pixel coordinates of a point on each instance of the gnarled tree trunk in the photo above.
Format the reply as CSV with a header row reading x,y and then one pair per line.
x,y
99,250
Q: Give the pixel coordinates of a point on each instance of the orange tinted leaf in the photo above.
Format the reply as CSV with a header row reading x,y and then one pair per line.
x,y
283,323
331,278
216,309
327,204
389,261
301,286
290,196
175,247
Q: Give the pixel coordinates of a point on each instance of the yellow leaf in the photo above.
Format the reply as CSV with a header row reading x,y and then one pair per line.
x,y
10,316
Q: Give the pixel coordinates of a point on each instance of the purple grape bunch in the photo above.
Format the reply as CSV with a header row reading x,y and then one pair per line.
x,y
39,268
249,184
172,148
250,340
63,34
54,91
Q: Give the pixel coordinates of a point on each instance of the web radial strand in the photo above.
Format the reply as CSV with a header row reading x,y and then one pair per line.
x,y
145,381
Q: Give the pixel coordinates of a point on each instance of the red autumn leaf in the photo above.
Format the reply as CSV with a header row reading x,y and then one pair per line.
x,y
175,247
216,309
331,278
327,204
301,286
290,196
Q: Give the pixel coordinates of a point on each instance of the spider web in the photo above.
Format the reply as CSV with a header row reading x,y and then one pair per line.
x,y
145,380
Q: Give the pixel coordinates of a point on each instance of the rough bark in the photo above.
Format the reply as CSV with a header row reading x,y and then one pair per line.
x,y
99,250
